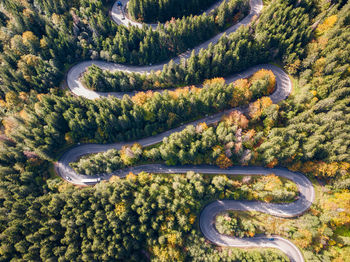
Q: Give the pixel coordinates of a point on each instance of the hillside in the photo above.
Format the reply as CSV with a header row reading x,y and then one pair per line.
x,y
175,130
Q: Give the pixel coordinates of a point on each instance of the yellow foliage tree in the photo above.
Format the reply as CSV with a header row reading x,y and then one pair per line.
x,y
322,169
304,238
25,64
339,206
293,67
56,19
40,97
241,93
43,43
144,177
29,38
256,108
192,219
11,99
17,45
263,73
271,182
119,208
69,138
214,81
166,253
24,115
328,23
319,66
223,161
129,155
183,91
114,179
172,239
9,124
201,127
131,176
26,12
23,96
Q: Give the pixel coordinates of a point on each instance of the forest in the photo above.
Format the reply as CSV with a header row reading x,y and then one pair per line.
x,y
276,35
35,52
162,11
62,120
44,218
229,143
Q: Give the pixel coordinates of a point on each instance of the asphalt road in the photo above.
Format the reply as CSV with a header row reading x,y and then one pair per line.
x,y
76,71
208,214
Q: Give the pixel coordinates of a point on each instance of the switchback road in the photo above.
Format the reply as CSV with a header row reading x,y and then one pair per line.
x,y
208,214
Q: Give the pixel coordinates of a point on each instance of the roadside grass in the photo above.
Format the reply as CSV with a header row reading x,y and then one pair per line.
x,y
295,85
295,82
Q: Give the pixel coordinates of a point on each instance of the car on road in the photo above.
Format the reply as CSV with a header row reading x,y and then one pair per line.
x,y
271,239
68,178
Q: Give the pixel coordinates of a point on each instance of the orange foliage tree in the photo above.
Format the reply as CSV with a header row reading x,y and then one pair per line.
x,y
236,118
223,161
141,97
321,169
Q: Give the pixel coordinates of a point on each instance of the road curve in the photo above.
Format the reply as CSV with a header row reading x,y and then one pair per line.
x,y
208,214
207,217
282,90
74,74
120,17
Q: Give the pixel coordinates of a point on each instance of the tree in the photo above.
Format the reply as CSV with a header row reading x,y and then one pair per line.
x,y
223,161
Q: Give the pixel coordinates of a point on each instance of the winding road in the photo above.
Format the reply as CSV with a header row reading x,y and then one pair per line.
x,y
208,214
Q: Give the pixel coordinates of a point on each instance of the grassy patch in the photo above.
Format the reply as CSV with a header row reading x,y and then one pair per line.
x,y
343,231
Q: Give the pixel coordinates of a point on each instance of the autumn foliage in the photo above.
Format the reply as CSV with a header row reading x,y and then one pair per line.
x,y
256,108
236,118
223,161
265,74
141,97
328,23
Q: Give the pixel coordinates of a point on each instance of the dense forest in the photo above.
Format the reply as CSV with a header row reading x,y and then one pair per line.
x,y
111,221
63,120
314,122
229,143
157,10
37,48
154,216
280,33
